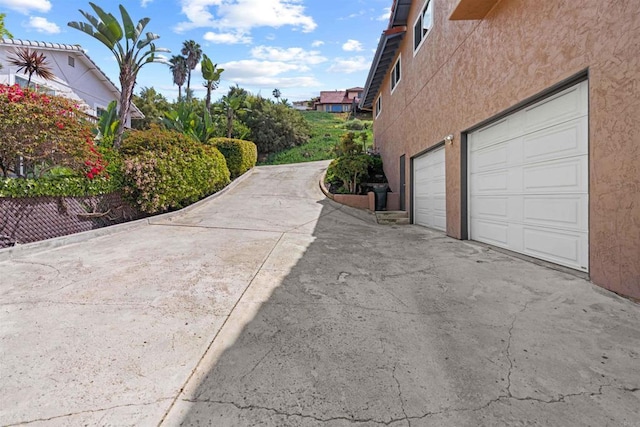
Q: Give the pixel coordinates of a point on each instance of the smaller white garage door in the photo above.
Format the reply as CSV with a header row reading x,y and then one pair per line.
x,y
429,199
528,180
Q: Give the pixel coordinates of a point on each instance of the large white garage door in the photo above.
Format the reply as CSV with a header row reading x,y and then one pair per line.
x,y
429,200
528,180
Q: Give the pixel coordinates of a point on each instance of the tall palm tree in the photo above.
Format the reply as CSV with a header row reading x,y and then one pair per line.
x,y
137,50
211,74
31,62
179,69
192,51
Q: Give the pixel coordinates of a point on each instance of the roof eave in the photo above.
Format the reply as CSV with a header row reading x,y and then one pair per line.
x,y
379,67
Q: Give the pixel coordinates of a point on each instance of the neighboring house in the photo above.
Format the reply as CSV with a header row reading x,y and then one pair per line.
x,y
77,76
339,101
517,124
301,105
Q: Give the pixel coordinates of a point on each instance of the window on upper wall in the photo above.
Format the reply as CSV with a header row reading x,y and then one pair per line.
x,y
423,25
378,105
71,61
396,74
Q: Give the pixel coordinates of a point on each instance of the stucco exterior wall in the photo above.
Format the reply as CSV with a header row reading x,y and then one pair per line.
x,y
469,71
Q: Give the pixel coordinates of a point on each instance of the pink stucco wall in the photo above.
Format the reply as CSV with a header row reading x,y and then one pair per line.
x,y
469,71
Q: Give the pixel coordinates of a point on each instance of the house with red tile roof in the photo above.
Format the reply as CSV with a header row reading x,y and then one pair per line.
x,y
339,101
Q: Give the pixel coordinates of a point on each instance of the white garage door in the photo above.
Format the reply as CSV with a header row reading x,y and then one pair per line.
x,y
429,200
528,180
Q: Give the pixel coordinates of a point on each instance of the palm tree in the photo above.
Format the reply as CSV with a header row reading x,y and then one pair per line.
x,y
212,76
137,51
276,93
179,69
32,62
191,50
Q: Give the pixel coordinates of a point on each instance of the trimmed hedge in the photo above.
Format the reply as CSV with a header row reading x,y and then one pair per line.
x,y
55,186
241,155
166,170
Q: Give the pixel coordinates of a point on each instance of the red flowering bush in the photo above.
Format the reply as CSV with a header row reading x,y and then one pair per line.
x,y
44,131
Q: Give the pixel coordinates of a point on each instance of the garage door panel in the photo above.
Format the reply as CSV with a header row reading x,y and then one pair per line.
x,y
491,207
496,233
560,141
560,212
552,177
553,246
569,104
529,188
491,135
491,182
493,157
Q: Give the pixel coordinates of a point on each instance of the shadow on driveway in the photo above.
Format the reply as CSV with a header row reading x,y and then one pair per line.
x,y
352,323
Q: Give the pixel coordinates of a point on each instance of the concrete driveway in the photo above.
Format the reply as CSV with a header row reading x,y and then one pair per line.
x,y
270,305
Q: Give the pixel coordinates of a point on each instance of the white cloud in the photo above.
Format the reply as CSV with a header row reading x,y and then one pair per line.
x,y
352,46
144,3
41,25
295,55
254,72
243,15
386,15
227,38
349,65
317,43
26,6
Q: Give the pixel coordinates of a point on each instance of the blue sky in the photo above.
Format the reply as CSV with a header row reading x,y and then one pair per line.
x,y
299,46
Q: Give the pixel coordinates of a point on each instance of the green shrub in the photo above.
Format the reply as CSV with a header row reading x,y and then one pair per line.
x,y
55,186
351,169
240,155
165,170
275,127
154,139
355,124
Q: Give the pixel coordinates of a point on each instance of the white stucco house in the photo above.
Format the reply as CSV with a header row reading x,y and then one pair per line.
x,y
77,77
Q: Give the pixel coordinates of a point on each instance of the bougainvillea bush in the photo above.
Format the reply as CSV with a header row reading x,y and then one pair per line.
x,y
165,170
41,132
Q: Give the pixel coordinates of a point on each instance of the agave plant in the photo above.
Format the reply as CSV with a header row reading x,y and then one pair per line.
x,y
131,48
32,62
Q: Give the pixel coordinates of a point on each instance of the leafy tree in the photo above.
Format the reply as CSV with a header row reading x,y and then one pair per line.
x,y
211,74
192,51
153,105
232,105
44,131
275,127
31,62
3,30
178,68
136,51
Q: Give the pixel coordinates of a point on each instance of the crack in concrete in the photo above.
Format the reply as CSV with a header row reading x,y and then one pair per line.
x,y
259,362
406,417
311,417
560,399
508,350
88,411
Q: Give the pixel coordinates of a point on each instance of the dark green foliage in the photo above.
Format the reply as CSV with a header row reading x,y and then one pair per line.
x,y
152,104
275,127
165,170
240,155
